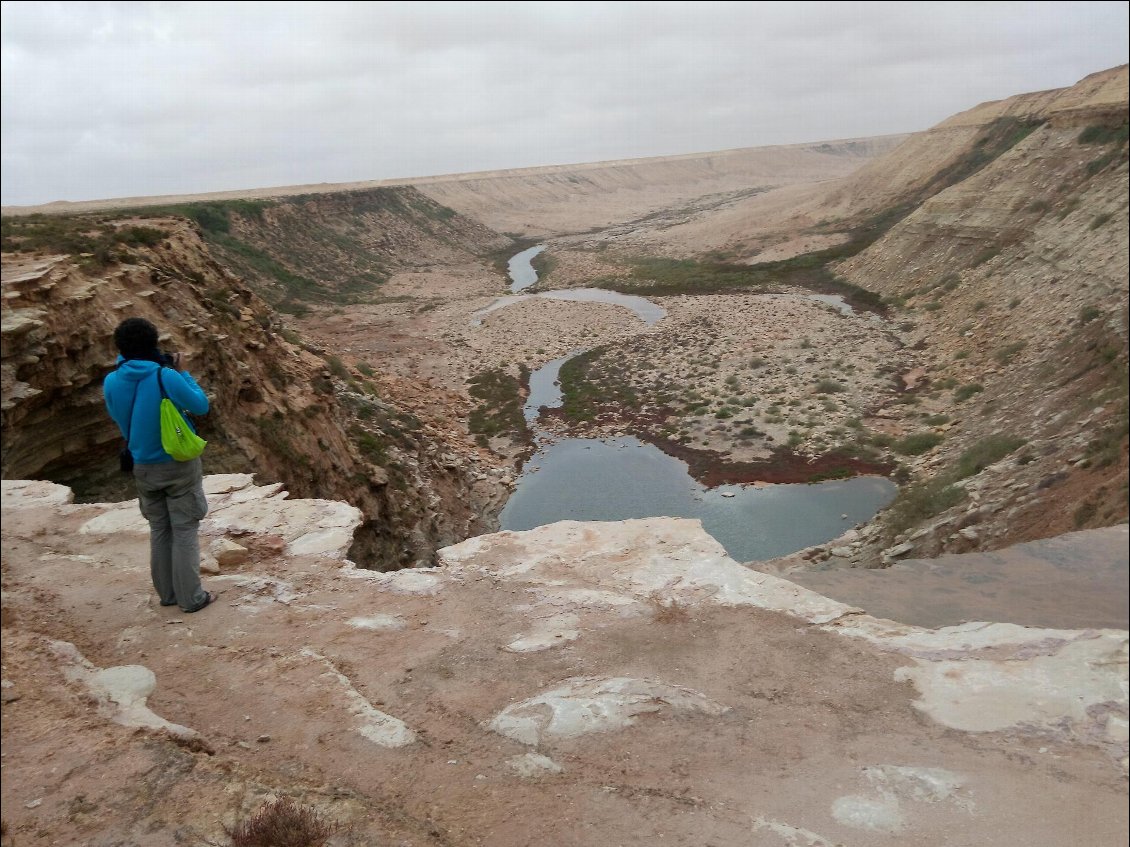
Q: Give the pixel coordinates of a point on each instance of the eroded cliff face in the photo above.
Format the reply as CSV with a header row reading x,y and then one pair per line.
x,y
1012,286
278,408
582,683
335,249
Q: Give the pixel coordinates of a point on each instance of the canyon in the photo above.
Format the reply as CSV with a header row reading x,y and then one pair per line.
x,y
948,308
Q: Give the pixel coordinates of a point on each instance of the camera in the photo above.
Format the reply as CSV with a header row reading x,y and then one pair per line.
x,y
169,360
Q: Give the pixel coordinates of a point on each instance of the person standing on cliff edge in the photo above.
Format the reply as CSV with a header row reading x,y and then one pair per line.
x,y
170,493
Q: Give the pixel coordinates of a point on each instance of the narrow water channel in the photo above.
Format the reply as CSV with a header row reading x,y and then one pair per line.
x,y
620,478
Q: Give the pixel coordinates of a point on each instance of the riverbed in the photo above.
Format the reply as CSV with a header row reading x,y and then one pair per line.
x,y
620,478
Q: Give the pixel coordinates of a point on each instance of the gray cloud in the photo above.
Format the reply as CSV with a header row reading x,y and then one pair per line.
x,y
118,99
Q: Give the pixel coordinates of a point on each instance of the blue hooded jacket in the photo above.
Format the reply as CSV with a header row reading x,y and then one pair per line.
x,y
134,386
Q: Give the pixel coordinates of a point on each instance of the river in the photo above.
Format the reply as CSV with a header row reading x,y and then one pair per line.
x,y
619,478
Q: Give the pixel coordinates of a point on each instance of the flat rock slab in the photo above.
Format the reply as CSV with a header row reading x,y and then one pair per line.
x,y
621,683
1077,580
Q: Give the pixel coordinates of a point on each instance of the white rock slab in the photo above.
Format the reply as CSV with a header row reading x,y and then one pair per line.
x,y
663,558
532,765
378,622
588,704
118,519
421,581
551,632
792,836
1056,693
122,692
33,494
370,722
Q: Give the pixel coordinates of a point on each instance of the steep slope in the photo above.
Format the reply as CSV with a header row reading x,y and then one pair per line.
x,y
286,410
890,185
338,248
1013,284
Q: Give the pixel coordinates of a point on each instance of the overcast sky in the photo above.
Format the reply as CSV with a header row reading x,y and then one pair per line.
x,y
107,100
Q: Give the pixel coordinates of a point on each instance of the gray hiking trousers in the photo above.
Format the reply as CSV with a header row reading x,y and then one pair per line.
x,y
171,496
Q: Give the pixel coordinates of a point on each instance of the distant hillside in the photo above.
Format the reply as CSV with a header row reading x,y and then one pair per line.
x,y
520,199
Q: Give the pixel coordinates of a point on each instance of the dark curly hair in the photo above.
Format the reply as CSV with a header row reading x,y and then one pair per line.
x,y
136,338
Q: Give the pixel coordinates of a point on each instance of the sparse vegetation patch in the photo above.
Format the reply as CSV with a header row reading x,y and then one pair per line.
x,y
499,405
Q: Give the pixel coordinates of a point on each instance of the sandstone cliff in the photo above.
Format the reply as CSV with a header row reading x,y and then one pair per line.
x,y
582,684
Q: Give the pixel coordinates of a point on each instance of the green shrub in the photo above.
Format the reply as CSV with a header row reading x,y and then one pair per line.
x,y
984,255
916,443
1088,314
373,447
1103,162
499,406
1099,134
1083,515
985,452
964,392
829,386
1007,353
1100,220
921,502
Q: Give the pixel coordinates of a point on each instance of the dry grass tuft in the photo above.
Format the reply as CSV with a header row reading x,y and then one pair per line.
x,y
283,823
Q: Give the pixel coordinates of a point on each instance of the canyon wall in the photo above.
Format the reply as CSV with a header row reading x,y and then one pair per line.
x,y
1012,286
537,202
283,408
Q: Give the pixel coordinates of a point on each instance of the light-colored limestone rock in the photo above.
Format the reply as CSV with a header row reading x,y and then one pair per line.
x,y
877,814
548,633
121,692
531,765
426,581
681,562
584,704
237,507
33,494
791,836
371,723
377,622
228,554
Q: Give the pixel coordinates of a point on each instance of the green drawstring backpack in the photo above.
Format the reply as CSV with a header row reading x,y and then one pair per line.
x,y
177,436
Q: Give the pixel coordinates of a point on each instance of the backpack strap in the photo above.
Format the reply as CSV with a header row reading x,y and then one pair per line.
x,y
132,403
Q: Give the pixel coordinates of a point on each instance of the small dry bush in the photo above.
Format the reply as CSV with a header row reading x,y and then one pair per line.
x,y
283,823
669,610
